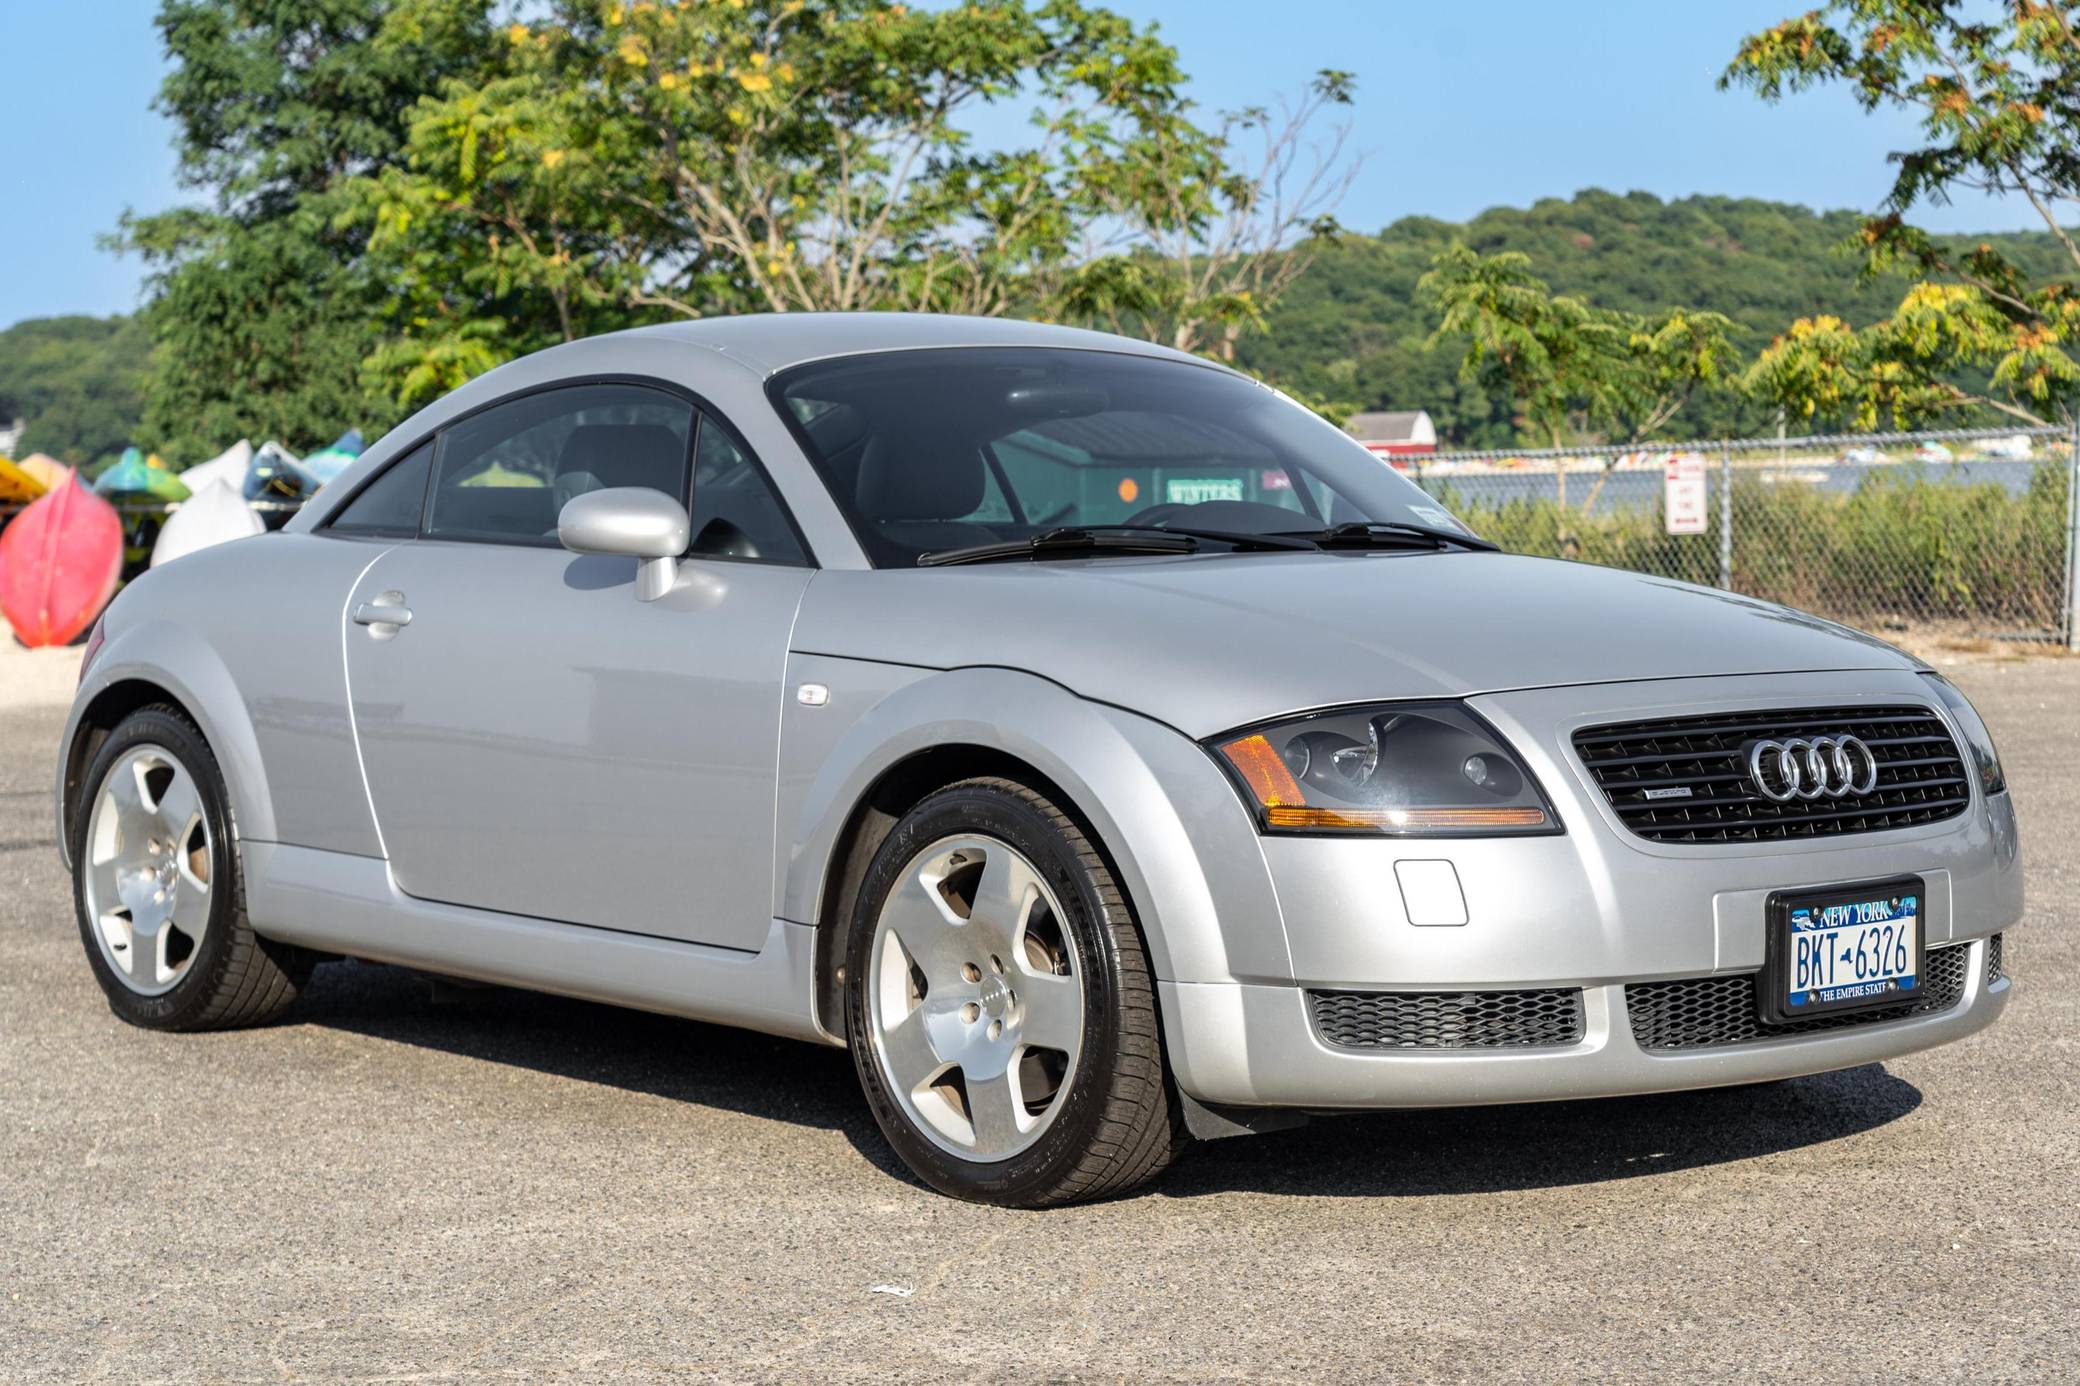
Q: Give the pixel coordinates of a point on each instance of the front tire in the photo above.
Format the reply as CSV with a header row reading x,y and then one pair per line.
x,y
157,888
1001,1008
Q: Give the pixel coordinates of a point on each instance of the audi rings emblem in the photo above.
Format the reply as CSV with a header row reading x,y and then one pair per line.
x,y
1818,767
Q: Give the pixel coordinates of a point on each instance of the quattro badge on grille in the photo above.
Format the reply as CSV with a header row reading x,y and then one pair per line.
x,y
1829,767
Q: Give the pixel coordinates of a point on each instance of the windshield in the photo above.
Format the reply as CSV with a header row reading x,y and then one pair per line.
x,y
928,451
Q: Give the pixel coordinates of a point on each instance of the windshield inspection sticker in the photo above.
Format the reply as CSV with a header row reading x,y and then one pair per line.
x,y
1191,491
1431,515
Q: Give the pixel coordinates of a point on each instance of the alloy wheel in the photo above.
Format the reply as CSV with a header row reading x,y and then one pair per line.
x,y
148,865
975,998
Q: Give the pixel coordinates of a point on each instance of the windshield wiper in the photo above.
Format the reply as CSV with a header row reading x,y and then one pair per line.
x,y
1241,540
1388,534
1064,543
1081,541
1078,540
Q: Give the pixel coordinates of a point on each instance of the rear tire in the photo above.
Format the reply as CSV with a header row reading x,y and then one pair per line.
x,y
1001,1008
158,890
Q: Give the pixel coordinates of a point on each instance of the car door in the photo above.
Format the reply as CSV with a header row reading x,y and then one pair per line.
x,y
536,740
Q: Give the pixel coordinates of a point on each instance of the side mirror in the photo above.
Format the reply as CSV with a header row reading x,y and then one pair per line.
x,y
646,525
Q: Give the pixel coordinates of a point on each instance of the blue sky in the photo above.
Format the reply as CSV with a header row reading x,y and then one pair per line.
x,y
1461,107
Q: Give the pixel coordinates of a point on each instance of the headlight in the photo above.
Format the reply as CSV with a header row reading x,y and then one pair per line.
x,y
1404,770
1986,761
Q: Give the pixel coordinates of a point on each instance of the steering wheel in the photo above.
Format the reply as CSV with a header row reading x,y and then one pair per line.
x,y
1155,514
1237,516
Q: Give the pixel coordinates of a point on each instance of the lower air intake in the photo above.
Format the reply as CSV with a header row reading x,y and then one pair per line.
x,y
1707,1012
1547,1018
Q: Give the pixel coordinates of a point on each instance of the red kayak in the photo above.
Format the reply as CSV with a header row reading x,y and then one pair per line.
x,y
59,561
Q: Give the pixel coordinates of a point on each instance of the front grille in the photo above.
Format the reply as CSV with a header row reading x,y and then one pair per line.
x,y
1921,778
1546,1018
1995,965
1707,1012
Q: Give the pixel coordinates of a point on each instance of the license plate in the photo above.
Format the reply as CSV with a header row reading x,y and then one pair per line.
x,y
1838,950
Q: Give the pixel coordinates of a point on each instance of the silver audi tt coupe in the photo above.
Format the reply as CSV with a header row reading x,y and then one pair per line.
x,y
1103,747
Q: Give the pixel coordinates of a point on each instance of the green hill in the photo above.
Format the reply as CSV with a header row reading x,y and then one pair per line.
x,y
78,383
1350,329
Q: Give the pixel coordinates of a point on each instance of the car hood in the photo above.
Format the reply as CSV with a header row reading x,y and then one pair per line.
x,y
1207,643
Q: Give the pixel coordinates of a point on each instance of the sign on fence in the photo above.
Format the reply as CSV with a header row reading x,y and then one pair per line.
x,y
1682,494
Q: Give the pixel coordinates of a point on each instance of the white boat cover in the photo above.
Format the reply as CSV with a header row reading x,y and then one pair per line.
x,y
230,466
215,514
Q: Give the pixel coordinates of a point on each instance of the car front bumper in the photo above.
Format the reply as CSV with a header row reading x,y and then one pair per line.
x,y
1586,913
1248,1045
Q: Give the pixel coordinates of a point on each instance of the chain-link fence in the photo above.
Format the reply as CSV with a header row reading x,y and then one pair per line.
x,y
1964,530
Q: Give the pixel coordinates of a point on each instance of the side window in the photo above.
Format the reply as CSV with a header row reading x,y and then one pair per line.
x,y
390,504
735,512
506,473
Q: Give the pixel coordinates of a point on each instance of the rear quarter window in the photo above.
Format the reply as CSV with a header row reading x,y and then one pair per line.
x,y
391,504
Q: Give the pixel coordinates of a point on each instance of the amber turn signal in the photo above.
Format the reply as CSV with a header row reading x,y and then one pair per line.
x,y
1256,760
1413,820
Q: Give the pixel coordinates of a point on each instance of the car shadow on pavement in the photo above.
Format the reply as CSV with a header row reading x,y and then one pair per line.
x,y
657,1055
1546,1145
1382,1154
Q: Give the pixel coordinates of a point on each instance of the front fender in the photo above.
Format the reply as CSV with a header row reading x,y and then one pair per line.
x,y
177,659
1185,849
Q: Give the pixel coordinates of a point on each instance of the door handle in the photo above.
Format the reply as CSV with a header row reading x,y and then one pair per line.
x,y
382,614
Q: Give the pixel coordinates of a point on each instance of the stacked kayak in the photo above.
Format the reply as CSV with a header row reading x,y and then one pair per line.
x,y
134,480
45,469
328,462
277,485
217,514
59,561
66,544
18,486
143,490
229,466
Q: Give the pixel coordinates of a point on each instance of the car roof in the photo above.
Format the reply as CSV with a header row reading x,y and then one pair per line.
x,y
760,344
772,342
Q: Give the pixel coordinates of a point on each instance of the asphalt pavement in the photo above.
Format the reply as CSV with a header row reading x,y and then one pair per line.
x,y
514,1187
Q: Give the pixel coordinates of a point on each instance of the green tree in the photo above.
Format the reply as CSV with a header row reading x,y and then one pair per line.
x,y
622,161
1996,94
260,331
817,152
1211,231
263,308
1596,372
1573,369
508,229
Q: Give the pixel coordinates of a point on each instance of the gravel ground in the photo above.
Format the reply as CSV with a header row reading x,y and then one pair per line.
x,y
512,1187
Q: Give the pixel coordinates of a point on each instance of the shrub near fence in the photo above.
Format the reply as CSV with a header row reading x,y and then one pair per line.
x,y
1908,549
1613,538
1905,544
